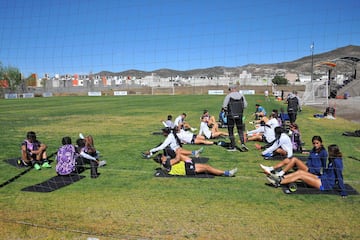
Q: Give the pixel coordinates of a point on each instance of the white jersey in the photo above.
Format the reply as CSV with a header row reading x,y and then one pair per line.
x,y
169,141
284,142
205,130
185,136
178,121
268,130
169,124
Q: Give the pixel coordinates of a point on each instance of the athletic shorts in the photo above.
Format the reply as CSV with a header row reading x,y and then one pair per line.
x,y
190,168
193,139
324,184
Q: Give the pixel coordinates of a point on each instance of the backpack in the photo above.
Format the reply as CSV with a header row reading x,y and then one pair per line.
x,y
357,133
293,104
65,159
236,107
296,141
329,111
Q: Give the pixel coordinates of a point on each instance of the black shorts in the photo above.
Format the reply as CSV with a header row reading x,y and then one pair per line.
x,y
193,139
264,139
190,168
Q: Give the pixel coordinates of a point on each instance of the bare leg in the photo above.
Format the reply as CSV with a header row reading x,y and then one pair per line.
x,y
183,152
284,162
41,152
205,168
214,123
307,177
281,151
294,161
218,134
24,155
257,137
203,141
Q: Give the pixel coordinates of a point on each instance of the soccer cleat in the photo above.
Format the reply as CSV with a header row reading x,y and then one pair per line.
x,y
244,146
37,166
274,179
102,163
270,180
146,156
231,149
232,172
193,129
267,170
197,152
81,136
268,156
46,165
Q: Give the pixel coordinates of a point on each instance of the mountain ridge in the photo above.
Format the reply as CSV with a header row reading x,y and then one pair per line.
x,y
301,65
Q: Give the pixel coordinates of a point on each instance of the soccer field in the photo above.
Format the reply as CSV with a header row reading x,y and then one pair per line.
x,y
128,202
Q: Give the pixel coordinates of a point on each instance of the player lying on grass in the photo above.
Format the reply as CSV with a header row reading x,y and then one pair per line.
x,y
183,165
172,141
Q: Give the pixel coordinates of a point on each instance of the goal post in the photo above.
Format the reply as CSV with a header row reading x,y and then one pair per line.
x,y
163,90
314,91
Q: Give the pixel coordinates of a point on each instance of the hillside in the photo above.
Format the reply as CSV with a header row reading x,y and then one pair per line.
x,y
302,65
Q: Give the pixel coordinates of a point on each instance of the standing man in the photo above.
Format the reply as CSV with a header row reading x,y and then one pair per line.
x,y
293,107
234,103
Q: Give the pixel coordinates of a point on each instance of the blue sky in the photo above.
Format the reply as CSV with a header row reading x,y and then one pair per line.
x,y
83,36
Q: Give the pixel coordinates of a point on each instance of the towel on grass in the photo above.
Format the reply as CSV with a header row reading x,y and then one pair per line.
x,y
303,188
54,183
14,162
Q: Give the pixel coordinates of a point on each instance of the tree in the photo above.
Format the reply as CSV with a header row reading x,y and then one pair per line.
x,y
279,80
12,75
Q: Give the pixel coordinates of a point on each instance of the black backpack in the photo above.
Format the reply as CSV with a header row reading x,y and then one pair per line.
x,y
236,108
357,133
293,104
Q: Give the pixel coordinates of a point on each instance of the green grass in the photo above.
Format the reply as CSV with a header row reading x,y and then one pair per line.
x,y
127,202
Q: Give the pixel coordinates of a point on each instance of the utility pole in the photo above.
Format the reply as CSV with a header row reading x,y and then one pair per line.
x,y
312,60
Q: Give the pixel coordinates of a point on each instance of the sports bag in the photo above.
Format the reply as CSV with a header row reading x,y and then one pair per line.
x,y
65,159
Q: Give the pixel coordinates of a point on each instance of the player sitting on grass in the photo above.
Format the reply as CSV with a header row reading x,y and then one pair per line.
x,y
315,163
265,132
33,152
88,154
210,133
281,146
331,178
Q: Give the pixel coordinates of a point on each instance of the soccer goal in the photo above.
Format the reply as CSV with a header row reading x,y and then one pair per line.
x,y
163,90
315,91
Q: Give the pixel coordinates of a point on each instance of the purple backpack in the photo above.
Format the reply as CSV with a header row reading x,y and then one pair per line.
x,y
65,159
